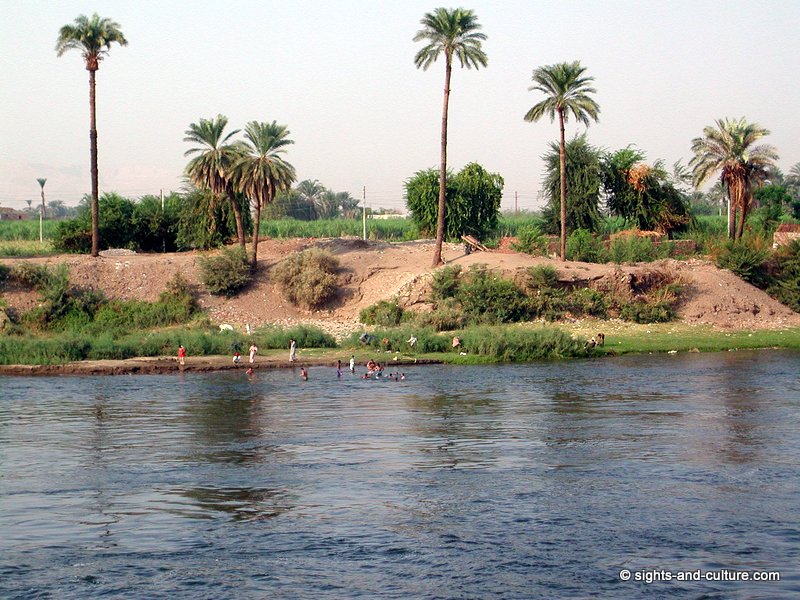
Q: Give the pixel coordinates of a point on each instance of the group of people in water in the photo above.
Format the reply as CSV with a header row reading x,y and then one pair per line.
x,y
374,369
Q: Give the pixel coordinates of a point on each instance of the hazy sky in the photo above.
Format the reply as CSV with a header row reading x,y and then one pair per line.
x,y
341,75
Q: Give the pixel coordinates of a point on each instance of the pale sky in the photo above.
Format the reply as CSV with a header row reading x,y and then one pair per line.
x,y
340,75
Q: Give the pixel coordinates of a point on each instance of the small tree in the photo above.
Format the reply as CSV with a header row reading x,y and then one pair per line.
x,y
642,193
583,186
472,201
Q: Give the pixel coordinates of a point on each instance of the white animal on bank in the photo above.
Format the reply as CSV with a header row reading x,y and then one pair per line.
x,y
226,327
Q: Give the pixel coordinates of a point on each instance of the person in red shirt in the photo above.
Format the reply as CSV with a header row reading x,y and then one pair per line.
x,y
181,355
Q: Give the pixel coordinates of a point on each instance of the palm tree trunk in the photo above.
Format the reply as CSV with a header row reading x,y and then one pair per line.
x,y
437,254
237,215
731,216
257,226
740,224
562,159
93,159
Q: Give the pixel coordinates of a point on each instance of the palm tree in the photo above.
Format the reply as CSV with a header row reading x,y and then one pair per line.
x,y
311,193
260,173
567,89
212,167
728,148
93,37
452,33
793,179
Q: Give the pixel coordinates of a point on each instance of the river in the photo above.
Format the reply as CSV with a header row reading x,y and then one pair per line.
x,y
541,480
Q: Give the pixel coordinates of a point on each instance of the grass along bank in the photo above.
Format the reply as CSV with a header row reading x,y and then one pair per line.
x,y
508,343
627,338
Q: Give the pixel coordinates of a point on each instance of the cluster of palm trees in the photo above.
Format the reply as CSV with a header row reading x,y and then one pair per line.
x,y
254,166
727,149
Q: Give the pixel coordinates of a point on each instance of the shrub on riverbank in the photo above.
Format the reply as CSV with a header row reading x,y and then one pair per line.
x,y
482,297
386,313
307,278
63,307
226,273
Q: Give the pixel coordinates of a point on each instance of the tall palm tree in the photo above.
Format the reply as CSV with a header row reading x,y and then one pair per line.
x,y
212,167
451,32
93,37
728,149
567,89
261,172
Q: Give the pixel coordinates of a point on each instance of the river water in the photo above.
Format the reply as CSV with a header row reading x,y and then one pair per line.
x,y
527,481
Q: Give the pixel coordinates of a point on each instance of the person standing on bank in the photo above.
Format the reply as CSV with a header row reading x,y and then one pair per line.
x,y
292,350
181,355
253,352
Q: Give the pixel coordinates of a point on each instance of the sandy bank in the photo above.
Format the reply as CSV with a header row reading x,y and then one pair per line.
x,y
166,364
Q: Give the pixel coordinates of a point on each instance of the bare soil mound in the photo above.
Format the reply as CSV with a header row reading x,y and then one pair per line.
x,y
373,271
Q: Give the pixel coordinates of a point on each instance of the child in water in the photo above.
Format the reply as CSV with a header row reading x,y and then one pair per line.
x,y
303,374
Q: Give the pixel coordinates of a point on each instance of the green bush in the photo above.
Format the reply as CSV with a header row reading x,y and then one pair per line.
x,y
517,344
747,259
642,312
633,249
486,297
308,278
531,240
445,283
541,277
156,228
447,316
31,276
384,313
587,302
226,273
73,235
786,286
472,201
585,247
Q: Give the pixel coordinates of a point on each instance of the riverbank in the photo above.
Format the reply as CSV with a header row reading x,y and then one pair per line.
x,y
620,338
156,365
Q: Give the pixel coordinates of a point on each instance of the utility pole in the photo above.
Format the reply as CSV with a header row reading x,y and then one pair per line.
x,y
163,239
516,205
42,181
364,214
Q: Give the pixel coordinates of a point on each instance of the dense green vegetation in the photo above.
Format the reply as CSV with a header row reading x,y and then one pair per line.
x,y
481,296
776,272
472,201
199,340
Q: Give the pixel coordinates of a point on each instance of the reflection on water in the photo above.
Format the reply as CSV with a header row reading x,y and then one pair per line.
x,y
519,481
